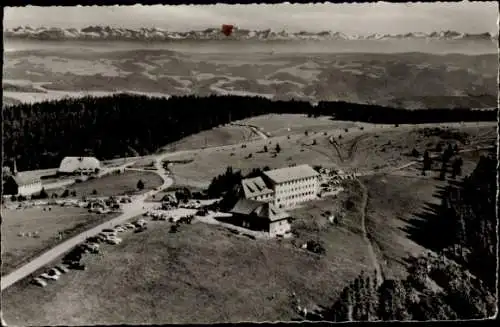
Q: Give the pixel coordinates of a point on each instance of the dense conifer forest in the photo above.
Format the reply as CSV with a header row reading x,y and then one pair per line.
x,y
458,282
39,135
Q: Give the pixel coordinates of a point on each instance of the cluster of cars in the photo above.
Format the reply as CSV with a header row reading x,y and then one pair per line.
x,y
52,274
183,220
192,205
72,260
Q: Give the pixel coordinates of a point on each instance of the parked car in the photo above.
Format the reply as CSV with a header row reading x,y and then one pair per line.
x,y
49,277
130,226
107,234
114,240
62,268
54,272
93,247
38,281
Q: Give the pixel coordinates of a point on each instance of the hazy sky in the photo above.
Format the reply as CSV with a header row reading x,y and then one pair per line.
x,y
472,17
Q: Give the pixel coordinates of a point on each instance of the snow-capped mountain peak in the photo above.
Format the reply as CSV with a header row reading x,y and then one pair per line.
x,y
158,34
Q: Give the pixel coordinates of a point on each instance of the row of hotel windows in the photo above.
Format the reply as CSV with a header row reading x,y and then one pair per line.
x,y
299,181
295,196
296,188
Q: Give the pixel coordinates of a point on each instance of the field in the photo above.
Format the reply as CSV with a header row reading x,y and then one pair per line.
x,y
109,185
363,147
411,80
17,249
201,274
218,136
429,80
280,125
206,274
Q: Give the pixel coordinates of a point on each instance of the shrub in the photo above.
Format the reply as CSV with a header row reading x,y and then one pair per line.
x,y
43,194
140,184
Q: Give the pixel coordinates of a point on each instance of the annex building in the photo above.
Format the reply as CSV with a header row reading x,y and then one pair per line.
x,y
285,188
261,216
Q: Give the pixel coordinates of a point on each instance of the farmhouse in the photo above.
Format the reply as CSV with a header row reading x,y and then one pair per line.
x,y
22,184
79,165
284,187
261,216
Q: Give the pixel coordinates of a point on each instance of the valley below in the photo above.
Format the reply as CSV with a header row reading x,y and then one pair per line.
x,y
39,71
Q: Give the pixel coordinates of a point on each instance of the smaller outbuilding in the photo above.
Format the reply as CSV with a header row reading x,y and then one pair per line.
x,y
22,184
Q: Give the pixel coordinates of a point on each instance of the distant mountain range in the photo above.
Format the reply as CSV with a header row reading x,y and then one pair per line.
x,y
157,34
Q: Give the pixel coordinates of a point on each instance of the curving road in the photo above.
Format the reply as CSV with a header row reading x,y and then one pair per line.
x,y
130,210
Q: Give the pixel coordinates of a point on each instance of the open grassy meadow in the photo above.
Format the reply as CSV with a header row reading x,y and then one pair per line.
x,y
279,125
365,147
29,232
223,135
203,273
115,184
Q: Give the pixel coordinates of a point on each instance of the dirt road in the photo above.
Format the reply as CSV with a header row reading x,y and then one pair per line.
x,y
371,251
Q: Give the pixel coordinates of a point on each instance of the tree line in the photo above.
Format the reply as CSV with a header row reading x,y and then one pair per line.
x,y
456,281
39,135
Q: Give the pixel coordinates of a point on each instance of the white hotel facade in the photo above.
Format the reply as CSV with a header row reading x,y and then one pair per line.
x,y
285,187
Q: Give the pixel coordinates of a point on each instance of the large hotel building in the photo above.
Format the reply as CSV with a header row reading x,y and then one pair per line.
x,y
285,188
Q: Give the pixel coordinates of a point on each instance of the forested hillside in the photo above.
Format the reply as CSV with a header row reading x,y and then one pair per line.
x,y
458,282
40,135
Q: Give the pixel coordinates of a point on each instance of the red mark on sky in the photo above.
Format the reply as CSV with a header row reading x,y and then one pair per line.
x,y
227,29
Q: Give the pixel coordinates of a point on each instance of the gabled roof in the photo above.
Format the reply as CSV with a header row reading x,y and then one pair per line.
x,y
254,187
262,210
245,206
72,164
26,179
291,173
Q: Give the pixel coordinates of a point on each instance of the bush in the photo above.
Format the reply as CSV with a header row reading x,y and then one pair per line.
x,y
73,193
65,193
13,198
94,192
140,184
43,194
